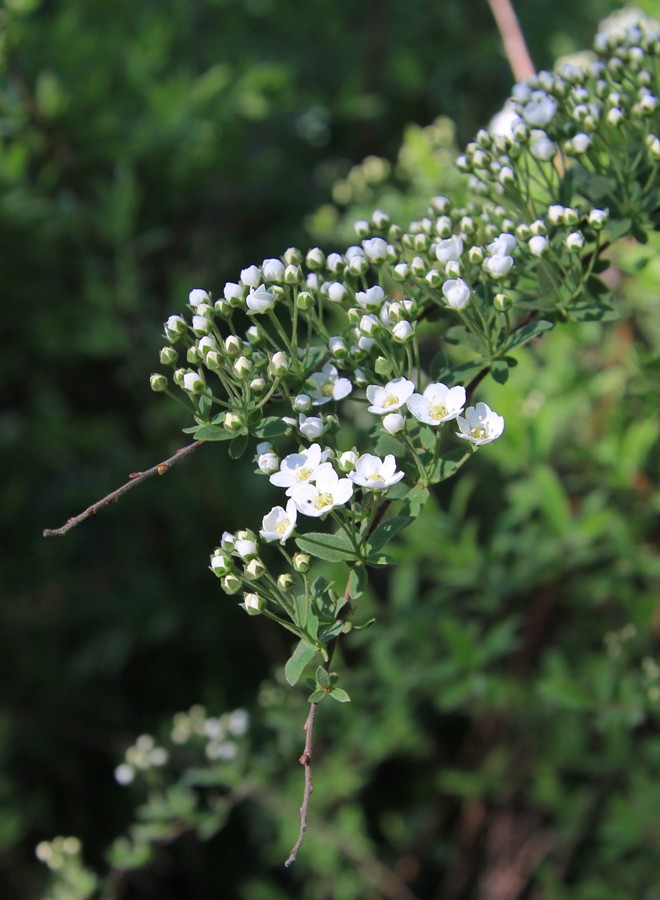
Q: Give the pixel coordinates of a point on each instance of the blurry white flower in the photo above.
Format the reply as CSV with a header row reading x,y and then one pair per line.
x,y
498,266
371,298
457,293
393,422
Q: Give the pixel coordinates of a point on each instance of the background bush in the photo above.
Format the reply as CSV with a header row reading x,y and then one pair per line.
x,y
504,716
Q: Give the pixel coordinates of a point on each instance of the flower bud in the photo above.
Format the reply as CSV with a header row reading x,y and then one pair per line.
x,y
175,328
158,383
232,422
168,356
268,462
258,385
394,233
380,219
285,582
347,461
335,263
242,367
476,255
193,383
221,564
362,228
227,541
193,357
315,258
273,270
538,245
201,325
245,545
337,347
231,584
598,218
292,275
383,367
311,427
293,257
304,300
434,278
253,604
213,360
575,241
358,265
402,331
401,271
233,345
197,296
501,302
302,562
254,569
393,422
421,243
279,364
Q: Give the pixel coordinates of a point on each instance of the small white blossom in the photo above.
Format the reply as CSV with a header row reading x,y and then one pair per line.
x,y
375,473
393,422
457,293
372,298
347,460
268,462
336,291
251,276
193,383
302,402
329,386
375,249
403,331
541,147
387,399
503,245
278,524
233,291
273,270
246,548
449,249
327,492
498,266
540,109
297,468
311,427
538,245
254,604
259,299
438,403
197,296
201,325
575,241
480,425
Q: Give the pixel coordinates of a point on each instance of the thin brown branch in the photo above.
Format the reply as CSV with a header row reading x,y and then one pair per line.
x,y
134,478
306,761
513,40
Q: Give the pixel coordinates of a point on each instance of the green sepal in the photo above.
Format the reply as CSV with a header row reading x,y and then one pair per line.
x,y
298,661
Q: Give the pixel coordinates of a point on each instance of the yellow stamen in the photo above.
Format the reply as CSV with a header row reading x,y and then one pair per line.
x,y
438,412
323,500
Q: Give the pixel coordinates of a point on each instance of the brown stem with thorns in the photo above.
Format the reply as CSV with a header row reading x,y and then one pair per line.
x,y
135,478
306,761
515,47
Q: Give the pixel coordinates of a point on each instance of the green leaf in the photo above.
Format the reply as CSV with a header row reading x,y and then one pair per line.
x,y
450,464
382,559
500,371
357,581
526,333
317,696
340,695
386,531
209,433
322,678
415,500
593,312
298,661
271,427
335,629
332,547
238,446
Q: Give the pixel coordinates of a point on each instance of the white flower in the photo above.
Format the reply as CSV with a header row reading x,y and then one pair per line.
x,y
375,249
540,109
372,298
575,241
246,548
538,245
201,325
329,386
438,403
279,363
393,422
480,425
273,270
328,492
581,143
498,266
457,293
297,468
311,426
259,299
302,402
502,245
254,604
402,331
220,564
375,473
336,291
251,276
279,523
347,460
389,398
449,249
268,462
541,147
233,291
197,296
193,383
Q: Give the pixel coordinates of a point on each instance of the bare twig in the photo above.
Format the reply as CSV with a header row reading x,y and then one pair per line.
x,y
306,761
134,478
515,47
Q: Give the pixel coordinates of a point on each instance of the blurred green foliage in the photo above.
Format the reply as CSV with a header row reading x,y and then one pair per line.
x,y
507,710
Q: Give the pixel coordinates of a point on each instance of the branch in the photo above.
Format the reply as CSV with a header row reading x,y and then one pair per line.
x,y
515,48
306,761
135,478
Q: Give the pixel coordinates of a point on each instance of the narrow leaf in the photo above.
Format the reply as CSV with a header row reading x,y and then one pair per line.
x,y
332,547
386,531
526,333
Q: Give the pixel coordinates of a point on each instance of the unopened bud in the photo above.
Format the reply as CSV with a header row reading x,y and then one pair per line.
x,y
158,383
302,562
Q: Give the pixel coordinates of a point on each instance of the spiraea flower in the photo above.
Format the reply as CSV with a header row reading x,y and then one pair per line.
x,y
456,292
375,474
298,468
437,404
480,425
278,524
328,386
327,492
259,299
388,399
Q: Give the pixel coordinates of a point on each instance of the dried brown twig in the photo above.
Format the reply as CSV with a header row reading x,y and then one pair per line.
x,y
134,478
